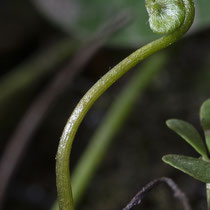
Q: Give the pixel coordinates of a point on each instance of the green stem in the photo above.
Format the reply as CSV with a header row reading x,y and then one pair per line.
x,y
208,195
112,123
62,164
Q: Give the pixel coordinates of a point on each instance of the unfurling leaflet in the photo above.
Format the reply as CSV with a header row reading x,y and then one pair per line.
x,y
165,16
173,17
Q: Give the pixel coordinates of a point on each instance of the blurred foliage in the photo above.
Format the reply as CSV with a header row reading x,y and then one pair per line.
x,y
82,17
135,157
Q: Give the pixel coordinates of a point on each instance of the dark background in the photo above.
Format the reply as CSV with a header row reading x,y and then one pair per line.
x,y
134,158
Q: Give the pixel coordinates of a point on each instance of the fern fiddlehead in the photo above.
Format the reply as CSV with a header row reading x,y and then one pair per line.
x,y
173,17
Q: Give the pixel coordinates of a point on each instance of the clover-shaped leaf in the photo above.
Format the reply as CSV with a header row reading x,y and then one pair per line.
x,y
197,168
189,134
205,121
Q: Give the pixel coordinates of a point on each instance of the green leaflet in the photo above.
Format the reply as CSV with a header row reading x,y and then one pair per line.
x,y
197,168
205,120
189,134
165,16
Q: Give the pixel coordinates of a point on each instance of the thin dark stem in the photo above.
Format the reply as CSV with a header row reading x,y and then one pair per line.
x,y
143,192
39,108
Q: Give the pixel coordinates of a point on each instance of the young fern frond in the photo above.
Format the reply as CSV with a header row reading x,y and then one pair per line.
x,y
161,8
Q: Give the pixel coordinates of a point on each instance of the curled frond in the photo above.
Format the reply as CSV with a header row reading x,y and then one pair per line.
x,y
165,16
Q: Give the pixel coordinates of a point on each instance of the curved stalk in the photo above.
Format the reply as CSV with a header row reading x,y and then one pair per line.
x,y
62,164
112,123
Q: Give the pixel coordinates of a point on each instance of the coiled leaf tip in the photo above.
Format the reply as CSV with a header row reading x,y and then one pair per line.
x,y
165,16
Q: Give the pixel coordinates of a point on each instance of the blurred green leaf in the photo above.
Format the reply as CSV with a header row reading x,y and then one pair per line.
x,y
197,168
189,134
27,74
205,120
92,13
62,12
